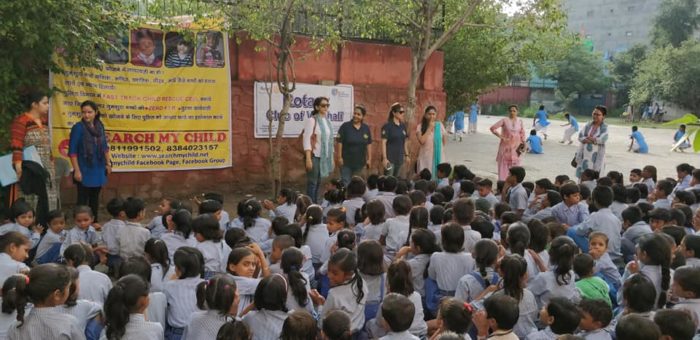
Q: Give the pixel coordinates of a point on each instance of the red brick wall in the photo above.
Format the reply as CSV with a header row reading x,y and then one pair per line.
x,y
378,72
506,94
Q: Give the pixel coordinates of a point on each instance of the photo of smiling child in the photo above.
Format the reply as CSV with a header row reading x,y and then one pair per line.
x,y
147,48
179,51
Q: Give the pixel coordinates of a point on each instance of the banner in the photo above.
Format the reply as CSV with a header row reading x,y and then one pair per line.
x,y
340,98
165,101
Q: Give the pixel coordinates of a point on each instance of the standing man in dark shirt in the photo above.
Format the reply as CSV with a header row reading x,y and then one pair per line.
x,y
394,148
354,145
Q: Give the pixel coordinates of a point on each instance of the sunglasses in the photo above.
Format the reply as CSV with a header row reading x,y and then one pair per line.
x,y
402,112
324,105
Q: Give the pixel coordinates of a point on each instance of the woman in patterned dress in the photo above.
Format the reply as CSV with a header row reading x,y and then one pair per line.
x,y
591,153
31,129
512,136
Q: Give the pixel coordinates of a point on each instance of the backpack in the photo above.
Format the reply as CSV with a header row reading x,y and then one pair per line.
x,y
477,276
300,139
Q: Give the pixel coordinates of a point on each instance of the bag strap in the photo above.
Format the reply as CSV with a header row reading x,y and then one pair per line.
x,y
381,288
478,278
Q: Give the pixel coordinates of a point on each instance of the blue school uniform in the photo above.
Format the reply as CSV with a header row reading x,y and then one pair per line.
x,y
542,118
574,123
639,138
535,143
473,111
459,120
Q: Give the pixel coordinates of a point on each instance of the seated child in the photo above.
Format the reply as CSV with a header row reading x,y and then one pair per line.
x,y
83,231
115,207
635,327
686,285
397,313
534,143
604,267
156,225
690,247
50,244
561,317
637,142
336,326
500,316
443,173
595,318
675,324
133,236
589,285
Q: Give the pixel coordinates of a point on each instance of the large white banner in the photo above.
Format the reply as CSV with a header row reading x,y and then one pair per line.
x,y
341,99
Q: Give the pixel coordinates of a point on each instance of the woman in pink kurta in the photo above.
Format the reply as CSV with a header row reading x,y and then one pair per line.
x,y
426,139
512,135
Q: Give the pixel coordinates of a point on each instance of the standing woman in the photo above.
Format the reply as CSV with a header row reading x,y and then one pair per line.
x,y
512,136
354,145
432,137
591,153
31,129
89,155
394,147
318,147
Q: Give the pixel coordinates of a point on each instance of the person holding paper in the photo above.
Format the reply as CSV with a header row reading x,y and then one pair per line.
x,y
31,129
89,155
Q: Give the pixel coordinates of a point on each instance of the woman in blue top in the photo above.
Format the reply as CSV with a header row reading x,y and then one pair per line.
x,y
540,121
572,128
89,155
637,142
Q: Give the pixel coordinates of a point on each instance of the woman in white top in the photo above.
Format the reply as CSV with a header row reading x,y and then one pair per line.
x,y
124,311
318,147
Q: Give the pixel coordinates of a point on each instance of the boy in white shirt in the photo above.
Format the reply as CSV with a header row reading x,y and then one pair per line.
x,y
395,230
132,236
397,316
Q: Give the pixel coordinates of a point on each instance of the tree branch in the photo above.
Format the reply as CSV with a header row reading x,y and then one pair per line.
x,y
395,10
453,29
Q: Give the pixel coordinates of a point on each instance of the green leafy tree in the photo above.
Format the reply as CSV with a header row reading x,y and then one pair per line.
x,y
624,68
580,72
34,32
675,23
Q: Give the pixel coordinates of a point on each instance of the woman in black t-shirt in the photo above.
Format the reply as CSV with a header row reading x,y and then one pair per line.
x,y
394,147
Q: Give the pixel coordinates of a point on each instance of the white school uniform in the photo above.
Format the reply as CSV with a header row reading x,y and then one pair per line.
x,y
174,241
293,304
545,334
395,231
652,272
693,262
328,246
9,267
447,268
468,287
46,323
529,312
649,182
139,328
617,208
598,334
387,198
545,286
258,232
224,220
418,328
285,210
316,240
157,310
204,325
343,297
132,239
607,268
471,237
375,293
246,290
158,277
215,255
95,285
370,194
6,321
182,300
418,265
156,227
373,232
351,207
405,335
33,237
76,235
266,324
83,311
48,241
692,306
109,235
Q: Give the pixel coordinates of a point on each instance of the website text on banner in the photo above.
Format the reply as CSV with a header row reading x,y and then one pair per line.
x,y
341,99
165,101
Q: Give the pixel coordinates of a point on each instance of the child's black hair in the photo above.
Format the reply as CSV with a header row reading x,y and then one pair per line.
x,y
545,184
464,211
590,174
665,186
214,196
282,242
334,196
485,254
122,300
370,258
271,294
9,292
639,294
399,278
583,265
157,250
402,205
566,316
55,214
346,261
346,239
677,233
236,255
504,309
189,261
602,196
390,183
500,208
299,325
209,207
313,216
632,214
12,237
512,268
561,255
452,236
518,172
518,238
692,242
208,226
678,216
455,316
677,324
44,280
553,197
425,174
688,278
460,172
569,189
115,206
217,293
509,217
289,195
182,219
659,214
133,206
336,325
483,226
444,169
278,224
291,264
337,215
303,203
78,254
372,181
685,197
237,238
398,312
251,211
234,329
584,191
636,327
633,195
136,265
437,198
448,192
561,179
425,240
598,309
436,214
417,198
467,187
617,177
539,235
376,212
20,207
658,252
643,190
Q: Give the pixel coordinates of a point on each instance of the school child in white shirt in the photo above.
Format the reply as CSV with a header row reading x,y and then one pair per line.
x,y
221,214
453,316
161,268
348,292
418,218
653,261
96,285
84,311
335,221
354,201
294,230
595,318
50,245
336,326
399,282
315,233
463,214
22,220
423,245
124,311
513,270
299,283
285,206
690,248
14,248
47,287
333,198
559,280
218,303
234,329
181,293
8,317
346,239
299,325
110,230
270,308
674,324
517,241
179,233
208,235
387,193
247,265
397,315
561,317
604,266
132,236
83,231
500,315
158,303
370,264
395,231
472,284
156,225
685,288
374,223
448,266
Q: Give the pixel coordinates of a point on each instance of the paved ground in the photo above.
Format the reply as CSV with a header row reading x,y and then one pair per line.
x,y
478,152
